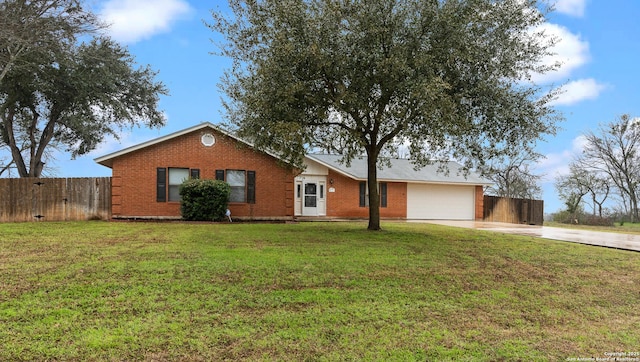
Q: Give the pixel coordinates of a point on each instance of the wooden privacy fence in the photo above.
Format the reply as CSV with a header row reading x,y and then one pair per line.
x,y
514,211
55,199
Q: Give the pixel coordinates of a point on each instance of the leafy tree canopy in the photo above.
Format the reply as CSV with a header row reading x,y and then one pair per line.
x,y
58,91
447,77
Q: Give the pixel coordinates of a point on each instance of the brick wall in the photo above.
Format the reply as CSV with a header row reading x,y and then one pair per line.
x,y
479,203
345,201
134,176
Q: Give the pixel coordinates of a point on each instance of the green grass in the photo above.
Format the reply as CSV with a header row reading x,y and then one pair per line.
x,y
309,291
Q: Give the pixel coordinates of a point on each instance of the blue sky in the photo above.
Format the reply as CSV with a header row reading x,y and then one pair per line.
x,y
599,47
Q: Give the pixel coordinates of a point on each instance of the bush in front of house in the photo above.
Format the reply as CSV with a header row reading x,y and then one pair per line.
x,y
204,200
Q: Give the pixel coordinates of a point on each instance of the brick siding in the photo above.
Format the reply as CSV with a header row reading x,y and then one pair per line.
x,y
479,203
345,201
134,176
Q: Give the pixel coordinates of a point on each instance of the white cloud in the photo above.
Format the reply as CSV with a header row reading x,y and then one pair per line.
x,y
556,164
570,50
571,7
134,20
579,90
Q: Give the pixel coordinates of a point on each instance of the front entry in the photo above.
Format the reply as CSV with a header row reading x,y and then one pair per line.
x,y
310,196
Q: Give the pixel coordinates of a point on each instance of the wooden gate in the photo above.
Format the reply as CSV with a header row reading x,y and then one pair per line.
x,y
514,211
55,199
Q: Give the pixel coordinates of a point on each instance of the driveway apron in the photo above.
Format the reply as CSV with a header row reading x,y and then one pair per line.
x,y
610,240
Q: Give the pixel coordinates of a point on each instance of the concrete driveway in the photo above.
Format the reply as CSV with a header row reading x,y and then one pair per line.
x,y
610,240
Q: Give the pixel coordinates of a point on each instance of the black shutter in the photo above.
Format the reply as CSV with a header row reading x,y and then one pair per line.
x,y
363,193
220,175
383,194
195,173
251,187
161,184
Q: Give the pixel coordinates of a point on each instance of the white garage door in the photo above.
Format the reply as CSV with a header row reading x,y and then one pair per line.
x,y
440,202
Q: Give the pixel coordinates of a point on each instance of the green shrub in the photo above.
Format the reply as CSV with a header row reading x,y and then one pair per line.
x,y
204,200
564,217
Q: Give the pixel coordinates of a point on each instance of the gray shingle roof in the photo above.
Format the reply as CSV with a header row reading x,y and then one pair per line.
x,y
402,170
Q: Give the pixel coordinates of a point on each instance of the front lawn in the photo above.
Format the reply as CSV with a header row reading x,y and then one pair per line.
x,y
308,291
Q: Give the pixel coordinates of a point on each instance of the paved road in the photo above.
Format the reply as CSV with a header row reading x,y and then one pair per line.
x,y
611,240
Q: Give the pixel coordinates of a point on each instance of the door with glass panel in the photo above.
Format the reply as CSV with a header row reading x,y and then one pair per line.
x,y
310,198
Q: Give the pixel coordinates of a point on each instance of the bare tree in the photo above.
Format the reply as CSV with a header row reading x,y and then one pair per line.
x,y
572,188
595,181
581,181
512,176
615,151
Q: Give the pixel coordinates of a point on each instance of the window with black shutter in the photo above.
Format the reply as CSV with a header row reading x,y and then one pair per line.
x,y
363,193
251,187
383,194
161,184
168,182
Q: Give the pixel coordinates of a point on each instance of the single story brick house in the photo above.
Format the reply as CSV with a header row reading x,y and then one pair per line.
x,y
146,178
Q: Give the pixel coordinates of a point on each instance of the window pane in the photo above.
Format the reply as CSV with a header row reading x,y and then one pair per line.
x,y
310,192
310,201
235,178
176,177
237,194
363,194
174,193
310,189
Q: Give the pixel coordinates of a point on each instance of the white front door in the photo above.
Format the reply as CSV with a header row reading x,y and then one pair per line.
x,y
311,197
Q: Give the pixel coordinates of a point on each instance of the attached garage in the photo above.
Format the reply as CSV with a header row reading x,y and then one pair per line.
x,y
440,202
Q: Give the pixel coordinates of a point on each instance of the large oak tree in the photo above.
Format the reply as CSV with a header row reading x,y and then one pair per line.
x,y
64,85
450,78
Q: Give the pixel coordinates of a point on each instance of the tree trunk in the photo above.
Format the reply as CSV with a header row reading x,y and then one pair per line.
x,y
633,207
10,140
374,197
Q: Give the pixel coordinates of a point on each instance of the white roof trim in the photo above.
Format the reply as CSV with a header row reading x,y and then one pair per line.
x,y
331,167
